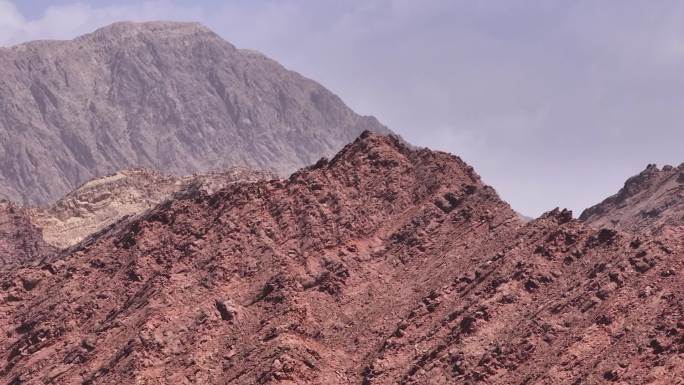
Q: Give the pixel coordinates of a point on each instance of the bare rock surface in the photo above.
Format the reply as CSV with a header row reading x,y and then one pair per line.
x,y
561,303
166,96
285,280
650,202
20,240
382,265
102,202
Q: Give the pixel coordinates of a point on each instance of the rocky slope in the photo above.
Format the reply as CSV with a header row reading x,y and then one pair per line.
x,y
383,265
260,282
651,202
102,202
561,303
20,240
166,96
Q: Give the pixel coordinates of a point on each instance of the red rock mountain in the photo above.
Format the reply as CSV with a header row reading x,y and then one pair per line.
x,y
384,265
173,97
20,240
651,202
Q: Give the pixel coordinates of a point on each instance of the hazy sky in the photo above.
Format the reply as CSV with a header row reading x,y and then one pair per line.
x,y
555,103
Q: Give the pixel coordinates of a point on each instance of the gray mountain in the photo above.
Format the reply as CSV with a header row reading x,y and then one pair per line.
x,y
169,96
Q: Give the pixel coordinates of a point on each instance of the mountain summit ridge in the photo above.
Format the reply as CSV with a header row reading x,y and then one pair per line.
x,y
649,202
384,264
169,96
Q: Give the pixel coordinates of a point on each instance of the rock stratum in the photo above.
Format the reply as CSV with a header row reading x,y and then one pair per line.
x,y
102,202
650,202
382,265
166,96
21,241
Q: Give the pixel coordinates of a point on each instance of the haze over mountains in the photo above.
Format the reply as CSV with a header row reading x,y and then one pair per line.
x,y
173,97
382,264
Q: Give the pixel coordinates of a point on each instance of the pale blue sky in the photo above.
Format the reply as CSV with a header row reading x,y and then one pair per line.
x,y
554,102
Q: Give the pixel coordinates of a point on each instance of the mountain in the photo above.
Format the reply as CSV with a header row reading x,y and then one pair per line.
x,y
167,96
20,240
260,281
102,202
650,202
383,265
560,303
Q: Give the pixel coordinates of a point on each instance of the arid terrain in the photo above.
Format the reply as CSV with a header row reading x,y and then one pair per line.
x,y
383,265
100,203
172,97
142,245
21,241
651,202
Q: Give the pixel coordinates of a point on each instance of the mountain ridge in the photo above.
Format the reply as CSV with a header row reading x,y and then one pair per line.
x,y
167,96
251,252
649,202
101,202
384,264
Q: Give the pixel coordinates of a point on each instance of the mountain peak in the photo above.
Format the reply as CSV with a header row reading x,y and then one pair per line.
x,y
158,25
372,156
125,29
134,33
650,201
369,142
166,96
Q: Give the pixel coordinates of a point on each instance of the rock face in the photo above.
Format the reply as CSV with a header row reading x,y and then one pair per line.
x,y
259,282
20,240
651,202
384,265
560,303
102,202
167,96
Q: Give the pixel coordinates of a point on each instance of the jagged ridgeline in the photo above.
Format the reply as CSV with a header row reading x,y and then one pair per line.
x,y
173,97
383,265
650,202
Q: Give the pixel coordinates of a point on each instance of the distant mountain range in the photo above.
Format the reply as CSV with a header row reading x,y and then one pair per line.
x,y
173,97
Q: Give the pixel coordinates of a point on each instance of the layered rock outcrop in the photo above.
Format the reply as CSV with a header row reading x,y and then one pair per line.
x,y
382,265
21,241
102,202
651,202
